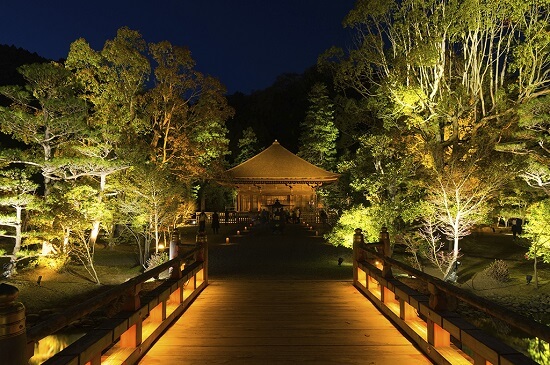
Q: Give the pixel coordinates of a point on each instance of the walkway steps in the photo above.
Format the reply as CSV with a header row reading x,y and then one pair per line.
x,y
282,322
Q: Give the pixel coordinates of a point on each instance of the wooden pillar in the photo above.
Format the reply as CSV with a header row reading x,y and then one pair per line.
x,y
437,336
384,239
406,311
202,254
174,241
358,241
13,335
132,337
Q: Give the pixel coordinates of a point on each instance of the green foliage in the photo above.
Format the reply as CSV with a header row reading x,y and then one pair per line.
x,y
537,230
247,147
356,217
27,253
187,113
111,153
319,134
539,351
498,270
57,263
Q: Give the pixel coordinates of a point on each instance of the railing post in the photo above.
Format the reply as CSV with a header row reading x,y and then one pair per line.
x,y
13,336
175,271
437,336
132,337
202,253
174,241
358,241
384,239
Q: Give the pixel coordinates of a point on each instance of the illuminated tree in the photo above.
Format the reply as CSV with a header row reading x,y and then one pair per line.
x,y
319,134
247,146
46,115
359,216
187,112
530,141
16,192
537,230
448,81
73,208
150,205
113,82
460,199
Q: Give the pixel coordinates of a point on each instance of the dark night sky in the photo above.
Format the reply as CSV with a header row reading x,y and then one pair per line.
x,y
244,43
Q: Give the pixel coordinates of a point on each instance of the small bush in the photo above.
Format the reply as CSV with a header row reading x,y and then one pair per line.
x,y
57,263
498,270
156,260
27,253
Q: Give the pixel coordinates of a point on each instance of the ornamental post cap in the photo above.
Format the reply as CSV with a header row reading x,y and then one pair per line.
x,y
8,293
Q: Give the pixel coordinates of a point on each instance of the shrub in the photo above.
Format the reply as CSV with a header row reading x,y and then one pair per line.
x,y
27,253
498,270
57,263
156,260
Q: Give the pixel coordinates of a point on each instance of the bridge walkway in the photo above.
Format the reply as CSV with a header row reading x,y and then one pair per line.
x,y
281,322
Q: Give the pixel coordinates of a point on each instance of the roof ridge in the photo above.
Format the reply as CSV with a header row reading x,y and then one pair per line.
x,y
276,163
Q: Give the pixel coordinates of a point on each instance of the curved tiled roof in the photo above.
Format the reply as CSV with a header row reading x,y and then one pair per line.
x,y
276,164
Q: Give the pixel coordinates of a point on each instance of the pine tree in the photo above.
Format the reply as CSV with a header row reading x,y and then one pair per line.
x,y
248,146
319,134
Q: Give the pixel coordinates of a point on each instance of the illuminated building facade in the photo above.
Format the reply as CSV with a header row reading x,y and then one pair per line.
x,y
277,174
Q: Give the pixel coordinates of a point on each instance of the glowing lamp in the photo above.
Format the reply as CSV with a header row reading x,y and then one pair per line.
x,y
227,240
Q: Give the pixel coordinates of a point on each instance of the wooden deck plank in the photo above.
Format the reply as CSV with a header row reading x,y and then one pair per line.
x,y
281,322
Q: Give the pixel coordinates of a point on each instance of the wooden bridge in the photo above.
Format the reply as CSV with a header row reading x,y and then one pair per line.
x,y
266,299
282,322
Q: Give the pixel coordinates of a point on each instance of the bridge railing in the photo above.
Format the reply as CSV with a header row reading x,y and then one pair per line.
x,y
127,335
431,320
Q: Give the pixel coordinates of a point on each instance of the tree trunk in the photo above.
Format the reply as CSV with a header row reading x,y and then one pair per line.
x,y
17,246
95,226
535,272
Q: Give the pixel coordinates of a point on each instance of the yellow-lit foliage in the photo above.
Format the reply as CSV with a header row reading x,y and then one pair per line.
x,y
357,217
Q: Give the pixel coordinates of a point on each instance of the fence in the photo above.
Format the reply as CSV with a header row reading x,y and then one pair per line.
x,y
126,336
432,321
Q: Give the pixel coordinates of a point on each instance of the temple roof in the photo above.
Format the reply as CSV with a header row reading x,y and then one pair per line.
x,y
276,164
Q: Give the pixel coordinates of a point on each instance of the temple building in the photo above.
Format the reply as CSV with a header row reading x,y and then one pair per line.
x,y
276,174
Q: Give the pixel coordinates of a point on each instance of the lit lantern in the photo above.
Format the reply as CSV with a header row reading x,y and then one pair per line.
x,y
227,240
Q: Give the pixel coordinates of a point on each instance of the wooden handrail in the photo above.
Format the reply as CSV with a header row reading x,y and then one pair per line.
x,y
61,320
496,310
431,321
127,335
